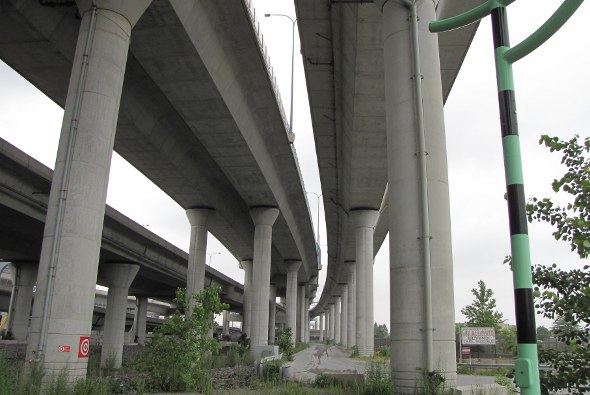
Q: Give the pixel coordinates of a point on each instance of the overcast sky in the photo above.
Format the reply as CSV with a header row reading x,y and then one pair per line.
x,y
553,97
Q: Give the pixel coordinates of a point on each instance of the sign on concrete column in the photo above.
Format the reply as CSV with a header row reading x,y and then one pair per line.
x,y
478,336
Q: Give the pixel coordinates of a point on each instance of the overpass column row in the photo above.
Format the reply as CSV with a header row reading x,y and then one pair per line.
x,y
24,276
321,323
75,213
264,218
344,316
246,264
142,307
292,269
332,321
307,332
197,253
337,321
118,278
301,305
364,222
351,314
272,314
406,252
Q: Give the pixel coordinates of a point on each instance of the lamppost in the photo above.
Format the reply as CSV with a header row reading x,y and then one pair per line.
x,y
318,249
211,256
293,21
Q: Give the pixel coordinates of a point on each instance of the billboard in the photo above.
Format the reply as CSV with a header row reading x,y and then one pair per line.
x,y
478,336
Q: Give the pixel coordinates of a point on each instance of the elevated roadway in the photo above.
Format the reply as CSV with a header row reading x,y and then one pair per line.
x,y
199,113
24,186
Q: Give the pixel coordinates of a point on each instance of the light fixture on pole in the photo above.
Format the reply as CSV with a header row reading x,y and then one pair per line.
x,y
211,256
293,22
317,247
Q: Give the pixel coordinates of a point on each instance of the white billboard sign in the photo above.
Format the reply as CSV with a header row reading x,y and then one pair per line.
x,y
478,336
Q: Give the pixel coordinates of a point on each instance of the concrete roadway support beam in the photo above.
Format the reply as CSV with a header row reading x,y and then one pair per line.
x,y
264,218
142,307
351,315
272,313
118,277
246,264
301,305
225,323
197,253
332,322
405,251
24,277
344,316
364,222
337,321
292,269
69,258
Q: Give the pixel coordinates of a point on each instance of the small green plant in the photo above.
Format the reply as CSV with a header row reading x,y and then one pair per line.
x,y
286,344
355,351
384,351
377,380
506,382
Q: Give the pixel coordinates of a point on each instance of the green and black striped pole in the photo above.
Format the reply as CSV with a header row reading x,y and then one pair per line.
x,y
527,365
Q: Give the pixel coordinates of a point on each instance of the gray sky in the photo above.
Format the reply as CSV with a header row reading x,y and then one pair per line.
x,y
553,97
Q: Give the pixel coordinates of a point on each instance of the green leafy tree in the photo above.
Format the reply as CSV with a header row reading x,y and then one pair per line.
x,y
541,330
564,296
174,359
482,313
380,331
285,343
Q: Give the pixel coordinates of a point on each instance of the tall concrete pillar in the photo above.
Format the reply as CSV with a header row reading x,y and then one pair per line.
x,y
272,305
321,319
406,254
142,307
327,314
344,316
364,222
118,277
246,264
292,269
75,213
337,321
24,276
332,321
351,334
225,323
301,305
263,218
307,332
197,253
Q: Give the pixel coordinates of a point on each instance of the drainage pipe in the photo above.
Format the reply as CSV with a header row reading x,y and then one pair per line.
x,y
425,224
63,190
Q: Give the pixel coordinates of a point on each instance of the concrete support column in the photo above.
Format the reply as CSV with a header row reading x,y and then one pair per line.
x,y
225,323
24,277
301,305
68,265
405,238
307,332
142,306
197,253
291,307
263,218
272,306
332,328
246,264
351,314
344,316
118,277
337,321
322,320
364,222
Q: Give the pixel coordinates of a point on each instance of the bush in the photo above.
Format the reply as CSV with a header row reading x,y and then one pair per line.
x,y
285,343
175,359
377,380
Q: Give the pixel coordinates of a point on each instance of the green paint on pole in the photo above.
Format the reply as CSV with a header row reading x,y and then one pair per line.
x,y
512,160
503,70
521,261
526,369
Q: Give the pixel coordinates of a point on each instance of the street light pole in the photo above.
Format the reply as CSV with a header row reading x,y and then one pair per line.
x,y
211,256
318,221
293,21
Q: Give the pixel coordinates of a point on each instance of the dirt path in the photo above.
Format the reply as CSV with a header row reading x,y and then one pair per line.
x,y
321,358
